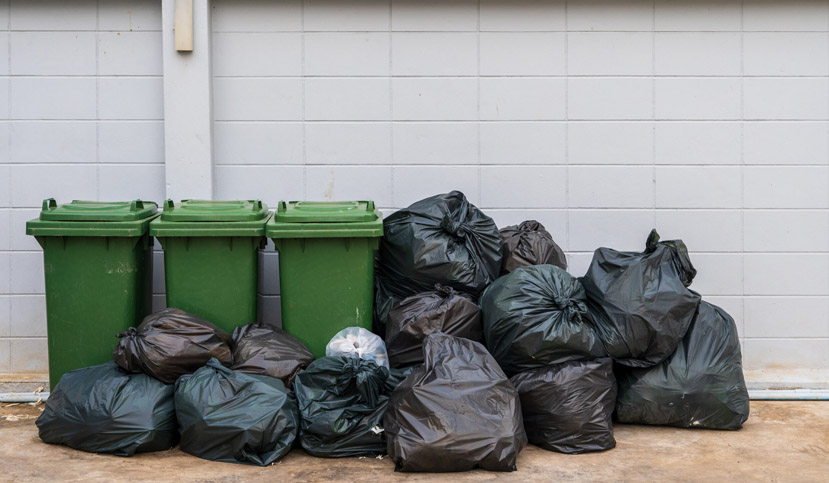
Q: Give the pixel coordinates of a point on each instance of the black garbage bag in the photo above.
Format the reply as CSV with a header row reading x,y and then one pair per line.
x,y
536,316
528,243
439,310
701,385
456,412
104,409
170,343
569,407
442,239
384,301
228,416
640,302
342,401
269,351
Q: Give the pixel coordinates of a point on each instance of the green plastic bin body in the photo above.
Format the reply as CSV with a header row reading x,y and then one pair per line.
x,y
211,266
326,267
97,260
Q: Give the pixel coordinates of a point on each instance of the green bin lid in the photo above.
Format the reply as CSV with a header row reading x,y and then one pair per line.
x,y
325,219
93,218
214,211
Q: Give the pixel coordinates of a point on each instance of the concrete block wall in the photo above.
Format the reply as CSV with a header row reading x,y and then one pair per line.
x,y
707,119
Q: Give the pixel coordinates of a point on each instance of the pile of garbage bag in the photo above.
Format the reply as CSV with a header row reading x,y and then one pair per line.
x,y
529,243
225,415
269,351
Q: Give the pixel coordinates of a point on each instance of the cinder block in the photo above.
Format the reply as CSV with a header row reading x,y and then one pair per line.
x,y
29,355
434,15
348,143
787,317
523,187
523,142
785,142
786,98
341,183
19,239
258,99
434,53
598,15
413,183
5,356
5,267
787,274
528,98
578,263
267,183
4,49
129,53
703,230
257,16
780,354
347,99
697,53
610,142
52,142
243,54
610,53
523,53
358,53
131,142
435,143
258,142
617,229
439,99
5,188
769,15
785,54
5,317
593,98
786,187
5,230
354,16
786,231
131,98
31,183
129,182
610,186
53,15
26,273
53,53
697,98
698,187
28,316
131,15
700,15
522,15
45,98
698,142
718,273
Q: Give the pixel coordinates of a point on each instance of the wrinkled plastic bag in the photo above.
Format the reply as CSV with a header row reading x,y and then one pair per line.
x,y
441,239
170,343
440,310
536,316
358,342
342,401
269,351
569,407
529,243
640,302
104,409
233,417
701,385
456,412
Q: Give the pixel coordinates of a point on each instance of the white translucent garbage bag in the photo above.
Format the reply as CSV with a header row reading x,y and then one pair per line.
x,y
359,343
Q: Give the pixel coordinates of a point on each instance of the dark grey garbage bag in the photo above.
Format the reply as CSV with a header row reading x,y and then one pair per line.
x,y
569,407
640,302
456,412
701,385
529,243
228,416
104,409
269,351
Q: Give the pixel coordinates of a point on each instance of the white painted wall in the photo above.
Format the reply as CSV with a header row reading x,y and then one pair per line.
x,y
602,119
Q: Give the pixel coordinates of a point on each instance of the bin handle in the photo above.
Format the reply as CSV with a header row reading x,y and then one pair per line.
x,y
282,207
49,204
369,206
136,205
169,205
257,205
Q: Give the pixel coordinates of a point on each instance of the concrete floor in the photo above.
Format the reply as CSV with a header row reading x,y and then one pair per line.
x,y
782,441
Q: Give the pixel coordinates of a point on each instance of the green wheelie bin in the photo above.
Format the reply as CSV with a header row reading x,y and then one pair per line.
x,y
97,259
326,266
211,266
